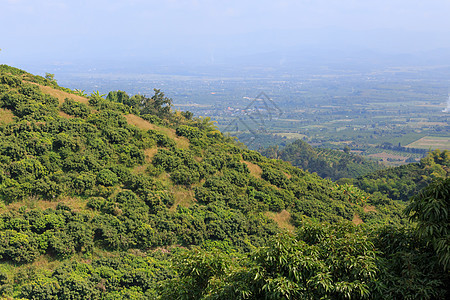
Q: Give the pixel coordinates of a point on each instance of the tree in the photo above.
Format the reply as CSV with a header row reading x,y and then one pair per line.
x,y
431,209
97,94
206,124
347,149
158,104
50,76
118,96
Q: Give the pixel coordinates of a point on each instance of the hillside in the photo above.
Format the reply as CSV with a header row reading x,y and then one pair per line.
x,y
327,163
102,197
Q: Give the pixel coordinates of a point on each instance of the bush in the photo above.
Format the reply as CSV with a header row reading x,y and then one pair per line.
x,y
18,246
184,176
107,178
61,245
96,203
76,109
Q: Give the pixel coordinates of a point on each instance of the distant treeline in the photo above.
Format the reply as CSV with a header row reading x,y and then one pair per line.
x,y
389,146
327,163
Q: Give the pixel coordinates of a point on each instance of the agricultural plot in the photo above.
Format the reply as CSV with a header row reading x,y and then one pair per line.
x,y
431,142
291,135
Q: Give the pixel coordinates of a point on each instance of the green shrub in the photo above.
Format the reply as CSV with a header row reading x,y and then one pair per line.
x,y
107,178
183,175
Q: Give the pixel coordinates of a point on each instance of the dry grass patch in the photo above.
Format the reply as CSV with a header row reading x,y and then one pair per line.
x,y
64,115
433,142
289,176
369,208
183,196
76,204
149,153
6,116
164,179
61,95
139,169
255,170
291,135
357,220
181,141
45,262
282,219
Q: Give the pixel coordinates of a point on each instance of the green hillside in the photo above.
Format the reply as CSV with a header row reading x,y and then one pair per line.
x,y
327,163
126,198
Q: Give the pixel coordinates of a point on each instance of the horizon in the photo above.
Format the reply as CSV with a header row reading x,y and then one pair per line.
x,y
190,34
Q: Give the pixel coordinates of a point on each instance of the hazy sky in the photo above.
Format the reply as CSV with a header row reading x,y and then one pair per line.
x,y
56,30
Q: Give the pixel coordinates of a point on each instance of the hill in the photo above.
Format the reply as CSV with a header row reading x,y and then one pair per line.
x,y
125,198
327,163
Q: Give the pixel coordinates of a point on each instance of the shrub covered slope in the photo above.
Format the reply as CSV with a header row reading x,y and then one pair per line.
x,y
101,198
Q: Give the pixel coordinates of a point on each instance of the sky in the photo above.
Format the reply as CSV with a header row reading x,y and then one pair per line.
x,y
206,31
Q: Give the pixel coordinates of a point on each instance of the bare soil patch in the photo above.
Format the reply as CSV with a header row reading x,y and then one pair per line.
x,y
385,156
64,115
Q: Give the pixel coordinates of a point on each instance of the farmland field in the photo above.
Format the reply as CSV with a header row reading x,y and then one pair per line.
x,y
291,135
433,142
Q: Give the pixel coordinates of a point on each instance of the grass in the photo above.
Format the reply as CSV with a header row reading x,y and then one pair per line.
x,y
181,142
139,169
183,196
149,153
61,95
255,170
357,220
282,219
6,116
76,204
64,115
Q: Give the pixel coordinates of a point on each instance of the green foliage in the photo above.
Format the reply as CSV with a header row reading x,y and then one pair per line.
x,y
119,96
430,209
18,247
158,104
50,76
326,163
76,109
409,268
401,183
120,201
107,178
332,262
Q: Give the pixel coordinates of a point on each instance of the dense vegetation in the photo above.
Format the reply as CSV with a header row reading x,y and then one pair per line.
x,y
401,183
125,198
327,163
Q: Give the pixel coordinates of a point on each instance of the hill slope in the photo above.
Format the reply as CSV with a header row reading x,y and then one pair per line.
x,y
98,193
